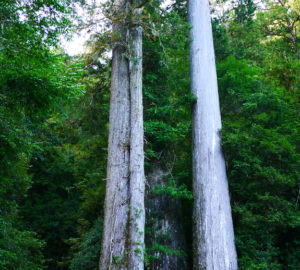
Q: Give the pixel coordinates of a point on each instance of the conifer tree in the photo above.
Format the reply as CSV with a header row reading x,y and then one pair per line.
x,y
213,229
123,236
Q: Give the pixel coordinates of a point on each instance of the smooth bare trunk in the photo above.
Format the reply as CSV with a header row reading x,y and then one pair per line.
x,y
214,247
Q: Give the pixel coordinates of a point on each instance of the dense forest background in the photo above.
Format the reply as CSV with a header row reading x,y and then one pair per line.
x,y
54,127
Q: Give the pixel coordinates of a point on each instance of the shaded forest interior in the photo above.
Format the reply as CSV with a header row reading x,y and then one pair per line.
x,y
54,124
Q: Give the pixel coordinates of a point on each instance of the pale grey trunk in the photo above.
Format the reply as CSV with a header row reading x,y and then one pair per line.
x,y
164,214
214,247
117,186
123,235
137,178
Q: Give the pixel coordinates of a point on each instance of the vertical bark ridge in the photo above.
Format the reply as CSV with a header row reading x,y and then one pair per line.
x,y
117,191
137,178
124,217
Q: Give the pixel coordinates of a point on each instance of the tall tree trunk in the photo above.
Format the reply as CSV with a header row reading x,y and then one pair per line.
x,y
137,178
117,186
124,213
164,215
214,246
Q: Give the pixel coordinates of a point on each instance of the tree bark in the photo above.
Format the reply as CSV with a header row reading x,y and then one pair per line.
x,y
124,213
164,215
137,178
214,246
117,186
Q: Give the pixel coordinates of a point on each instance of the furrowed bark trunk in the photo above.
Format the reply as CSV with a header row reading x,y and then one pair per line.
x,y
214,247
124,217
164,214
117,186
137,178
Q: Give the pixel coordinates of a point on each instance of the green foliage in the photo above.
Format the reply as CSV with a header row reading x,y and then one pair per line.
x,y
87,256
261,133
19,249
68,171
244,11
87,128
259,138
166,250
173,191
167,109
167,98
54,125
33,82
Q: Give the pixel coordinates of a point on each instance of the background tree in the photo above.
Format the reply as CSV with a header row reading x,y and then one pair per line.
x,y
30,90
167,130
